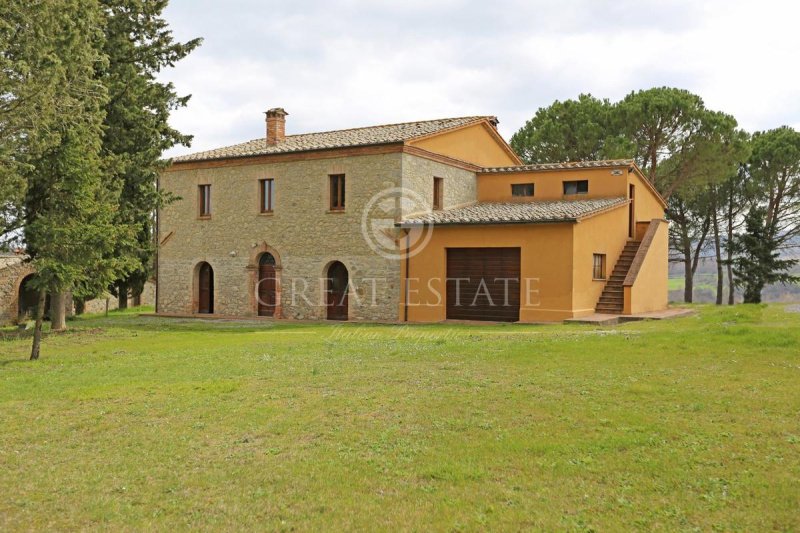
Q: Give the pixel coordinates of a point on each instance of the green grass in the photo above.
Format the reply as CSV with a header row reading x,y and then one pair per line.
x,y
701,282
131,423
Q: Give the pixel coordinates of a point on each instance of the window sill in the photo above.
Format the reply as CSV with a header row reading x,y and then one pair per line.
x,y
599,279
335,211
266,213
203,217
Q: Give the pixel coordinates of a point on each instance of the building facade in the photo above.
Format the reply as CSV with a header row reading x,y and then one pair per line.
x,y
362,224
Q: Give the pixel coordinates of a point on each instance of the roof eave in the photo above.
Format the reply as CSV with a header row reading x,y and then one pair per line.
x,y
288,152
487,223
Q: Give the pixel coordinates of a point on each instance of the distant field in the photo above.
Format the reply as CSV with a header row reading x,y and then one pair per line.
x,y
701,281
131,423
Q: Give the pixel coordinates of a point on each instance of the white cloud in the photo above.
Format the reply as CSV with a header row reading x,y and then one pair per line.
x,y
354,62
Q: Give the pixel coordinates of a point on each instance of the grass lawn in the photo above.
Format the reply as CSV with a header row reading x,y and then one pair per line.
x,y
142,423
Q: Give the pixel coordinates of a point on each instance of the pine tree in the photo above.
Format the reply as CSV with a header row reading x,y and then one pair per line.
x,y
70,227
31,81
756,260
138,44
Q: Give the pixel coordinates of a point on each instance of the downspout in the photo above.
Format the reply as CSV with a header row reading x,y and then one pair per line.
x,y
157,241
405,282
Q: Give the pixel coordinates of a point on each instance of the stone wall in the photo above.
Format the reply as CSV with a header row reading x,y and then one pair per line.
x,y
460,186
301,232
12,271
98,305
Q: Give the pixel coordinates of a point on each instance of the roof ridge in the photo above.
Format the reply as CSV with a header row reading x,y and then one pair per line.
x,y
375,134
475,117
566,164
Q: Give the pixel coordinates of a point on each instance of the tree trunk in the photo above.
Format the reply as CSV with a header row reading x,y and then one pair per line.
x,y
731,286
729,252
693,262
137,300
122,295
717,252
37,329
688,277
80,306
58,312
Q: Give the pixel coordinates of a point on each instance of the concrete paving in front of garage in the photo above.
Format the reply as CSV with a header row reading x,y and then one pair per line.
x,y
602,319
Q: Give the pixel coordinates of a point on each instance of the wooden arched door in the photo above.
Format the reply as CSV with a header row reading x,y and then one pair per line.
x,y
336,291
205,286
267,285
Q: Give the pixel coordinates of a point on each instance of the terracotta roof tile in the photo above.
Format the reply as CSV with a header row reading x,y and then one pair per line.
x,y
607,163
388,133
540,211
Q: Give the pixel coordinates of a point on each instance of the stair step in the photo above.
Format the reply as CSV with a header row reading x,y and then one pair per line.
x,y
616,293
608,311
612,299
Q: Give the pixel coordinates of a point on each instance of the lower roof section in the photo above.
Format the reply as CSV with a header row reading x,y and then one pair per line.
x,y
533,212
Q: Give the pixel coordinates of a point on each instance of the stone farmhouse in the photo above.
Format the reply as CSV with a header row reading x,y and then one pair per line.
x,y
421,222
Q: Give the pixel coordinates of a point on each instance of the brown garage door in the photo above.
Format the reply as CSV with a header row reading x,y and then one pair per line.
x,y
483,284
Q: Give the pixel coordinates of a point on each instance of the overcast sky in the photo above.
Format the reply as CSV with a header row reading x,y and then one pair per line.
x,y
341,64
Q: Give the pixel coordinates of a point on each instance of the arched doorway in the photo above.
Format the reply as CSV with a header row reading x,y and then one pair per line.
x,y
336,291
266,292
28,299
205,289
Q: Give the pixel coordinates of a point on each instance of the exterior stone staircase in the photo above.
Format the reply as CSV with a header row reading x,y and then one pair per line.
x,y
613,297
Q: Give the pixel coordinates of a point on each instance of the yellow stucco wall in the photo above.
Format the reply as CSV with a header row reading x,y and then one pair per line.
x,y
496,187
650,291
548,185
545,260
478,144
647,205
607,234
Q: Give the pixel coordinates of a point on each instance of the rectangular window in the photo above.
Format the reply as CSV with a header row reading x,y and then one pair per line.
x,y
438,193
267,195
337,192
522,189
576,187
204,200
599,266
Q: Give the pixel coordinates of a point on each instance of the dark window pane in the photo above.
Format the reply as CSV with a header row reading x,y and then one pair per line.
x,y
576,187
522,189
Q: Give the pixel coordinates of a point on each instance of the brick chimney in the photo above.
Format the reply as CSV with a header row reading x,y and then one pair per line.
x,y
276,125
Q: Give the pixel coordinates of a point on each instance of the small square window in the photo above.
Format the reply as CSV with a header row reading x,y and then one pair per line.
x,y
204,200
599,266
267,193
522,189
576,187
